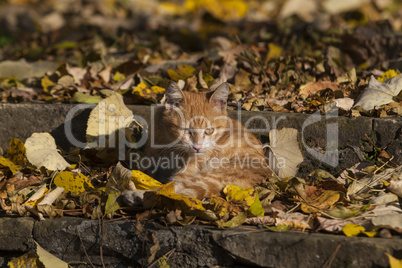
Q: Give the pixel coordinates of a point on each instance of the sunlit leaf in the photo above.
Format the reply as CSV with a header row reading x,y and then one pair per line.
x,y
4,162
16,152
279,228
181,73
386,75
84,98
111,204
47,84
377,93
49,260
394,262
42,151
321,203
144,182
27,260
285,154
73,182
351,229
233,222
152,94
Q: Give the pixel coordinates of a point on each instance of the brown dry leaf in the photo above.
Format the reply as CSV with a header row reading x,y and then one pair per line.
x,y
313,87
261,220
295,219
154,248
242,80
321,203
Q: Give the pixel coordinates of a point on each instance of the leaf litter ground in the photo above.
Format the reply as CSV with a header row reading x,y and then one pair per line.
x,y
273,56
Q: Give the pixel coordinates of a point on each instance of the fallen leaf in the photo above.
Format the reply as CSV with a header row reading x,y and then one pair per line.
x,y
279,228
144,182
48,260
351,229
284,152
120,179
150,94
377,93
42,151
4,162
394,262
84,98
107,121
16,152
29,259
233,222
386,75
74,182
313,87
321,203
111,203
181,73
21,69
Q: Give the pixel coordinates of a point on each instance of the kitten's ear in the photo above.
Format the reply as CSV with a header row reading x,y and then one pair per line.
x,y
173,94
219,97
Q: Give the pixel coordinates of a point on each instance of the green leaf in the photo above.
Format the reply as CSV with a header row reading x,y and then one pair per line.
x,y
256,208
111,204
84,98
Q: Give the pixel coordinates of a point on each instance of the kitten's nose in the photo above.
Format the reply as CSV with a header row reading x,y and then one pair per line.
x,y
197,147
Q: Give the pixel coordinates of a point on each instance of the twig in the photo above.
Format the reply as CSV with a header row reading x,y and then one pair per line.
x,y
167,256
85,251
375,172
101,231
331,258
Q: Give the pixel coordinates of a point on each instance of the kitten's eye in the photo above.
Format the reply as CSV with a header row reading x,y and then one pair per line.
x,y
209,131
186,131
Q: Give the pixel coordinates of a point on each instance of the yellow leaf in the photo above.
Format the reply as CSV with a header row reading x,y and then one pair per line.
x,y
47,84
37,197
16,152
4,162
394,262
184,202
370,234
256,208
144,182
386,75
49,260
150,94
117,77
322,202
233,222
274,51
73,182
171,8
182,72
239,194
27,260
351,229
221,9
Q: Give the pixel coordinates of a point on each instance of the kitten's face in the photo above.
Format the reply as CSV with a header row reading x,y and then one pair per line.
x,y
198,120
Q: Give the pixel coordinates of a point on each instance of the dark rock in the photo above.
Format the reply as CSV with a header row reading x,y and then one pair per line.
x,y
116,244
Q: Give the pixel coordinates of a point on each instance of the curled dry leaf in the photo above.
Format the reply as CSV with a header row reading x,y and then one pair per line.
x,y
42,151
48,260
377,93
284,152
107,121
295,219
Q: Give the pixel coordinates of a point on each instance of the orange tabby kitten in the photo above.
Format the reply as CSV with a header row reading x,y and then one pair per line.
x,y
197,146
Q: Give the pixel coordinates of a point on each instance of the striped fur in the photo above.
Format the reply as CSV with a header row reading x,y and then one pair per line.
x,y
226,149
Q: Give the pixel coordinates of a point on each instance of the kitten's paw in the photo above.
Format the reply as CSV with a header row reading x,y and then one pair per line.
x,y
133,198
